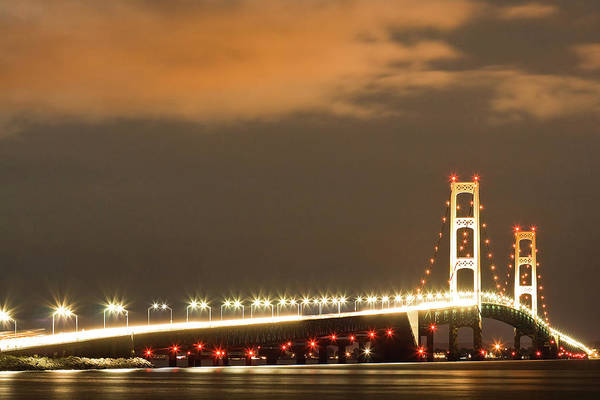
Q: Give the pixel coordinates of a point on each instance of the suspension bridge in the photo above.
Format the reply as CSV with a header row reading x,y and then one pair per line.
x,y
380,328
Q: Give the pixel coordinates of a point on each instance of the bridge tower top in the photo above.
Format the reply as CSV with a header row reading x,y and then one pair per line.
x,y
469,261
521,287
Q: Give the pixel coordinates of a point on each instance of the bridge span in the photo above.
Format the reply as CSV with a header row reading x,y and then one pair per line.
x,y
399,333
400,330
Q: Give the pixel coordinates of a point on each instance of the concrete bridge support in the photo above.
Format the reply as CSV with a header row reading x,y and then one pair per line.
x,y
323,355
300,352
362,344
517,343
172,359
191,359
341,352
272,356
477,340
453,340
429,345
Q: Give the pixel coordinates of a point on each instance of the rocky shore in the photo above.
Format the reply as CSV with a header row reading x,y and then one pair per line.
x,y
12,363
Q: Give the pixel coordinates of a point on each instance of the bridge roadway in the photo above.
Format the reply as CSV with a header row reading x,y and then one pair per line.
x,y
410,326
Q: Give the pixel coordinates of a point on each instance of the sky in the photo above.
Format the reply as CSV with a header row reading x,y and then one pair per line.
x,y
213,149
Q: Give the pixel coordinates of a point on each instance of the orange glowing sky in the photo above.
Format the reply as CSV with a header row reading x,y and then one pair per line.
x,y
218,61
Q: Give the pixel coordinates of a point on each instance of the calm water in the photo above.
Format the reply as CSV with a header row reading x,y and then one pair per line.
x,y
472,380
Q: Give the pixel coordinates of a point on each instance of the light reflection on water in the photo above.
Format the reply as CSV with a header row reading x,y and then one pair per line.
x,y
473,380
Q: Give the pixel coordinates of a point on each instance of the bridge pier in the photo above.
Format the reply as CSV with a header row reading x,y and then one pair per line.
x,y
477,340
361,350
427,332
248,360
300,352
341,352
323,355
452,342
272,354
172,359
429,345
191,359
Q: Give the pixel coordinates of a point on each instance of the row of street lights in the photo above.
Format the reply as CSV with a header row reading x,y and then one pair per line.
x,y
63,311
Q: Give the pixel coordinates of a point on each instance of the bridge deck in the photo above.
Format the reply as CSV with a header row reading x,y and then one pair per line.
x,y
490,302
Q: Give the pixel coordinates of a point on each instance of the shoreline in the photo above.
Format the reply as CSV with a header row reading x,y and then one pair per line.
x,y
32,363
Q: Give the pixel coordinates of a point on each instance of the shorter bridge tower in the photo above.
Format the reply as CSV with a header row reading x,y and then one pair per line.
x,y
522,261
521,287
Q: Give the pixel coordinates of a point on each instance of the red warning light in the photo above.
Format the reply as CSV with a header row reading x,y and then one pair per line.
x,y
389,332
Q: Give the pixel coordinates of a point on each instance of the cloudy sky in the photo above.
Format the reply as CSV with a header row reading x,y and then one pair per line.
x,y
166,150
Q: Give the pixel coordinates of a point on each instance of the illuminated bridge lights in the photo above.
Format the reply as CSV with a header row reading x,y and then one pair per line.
x,y
444,300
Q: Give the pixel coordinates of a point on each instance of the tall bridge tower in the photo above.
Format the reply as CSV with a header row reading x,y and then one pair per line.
x,y
470,261
461,258
521,287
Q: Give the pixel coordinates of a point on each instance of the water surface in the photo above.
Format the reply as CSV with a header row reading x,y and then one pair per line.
x,y
558,379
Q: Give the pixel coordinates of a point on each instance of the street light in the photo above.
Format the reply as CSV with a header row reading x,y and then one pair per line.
x,y
321,303
285,302
193,305
293,302
340,302
267,303
115,309
226,304
237,304
159,307
282,303
385,299
397,300
372,300
261,303
254,304
63,311
6,317
204,306
305,302
357,302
